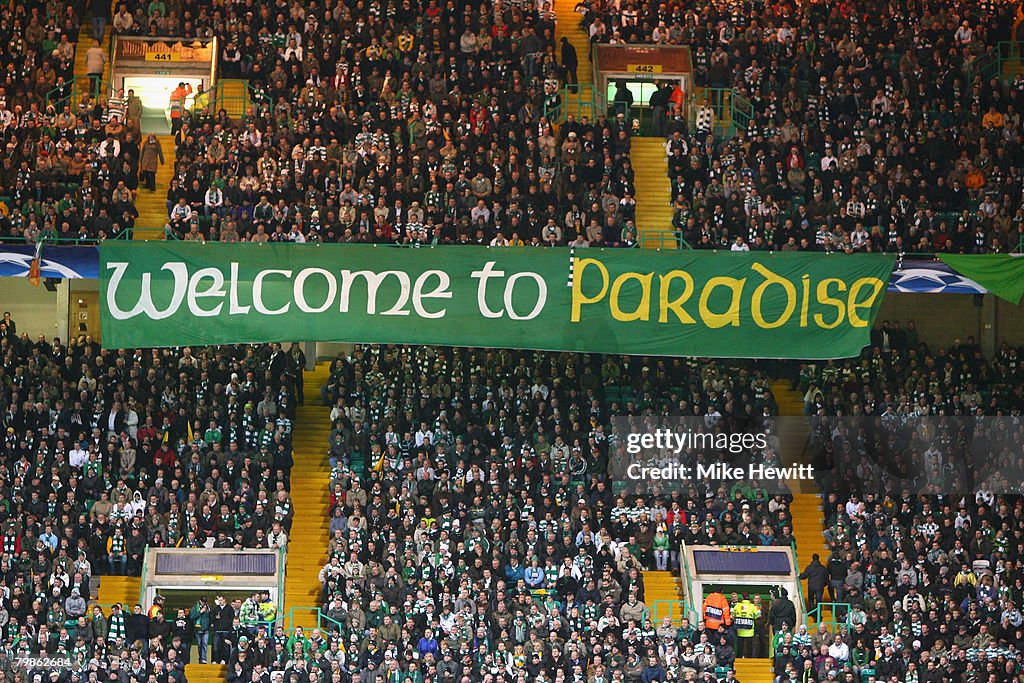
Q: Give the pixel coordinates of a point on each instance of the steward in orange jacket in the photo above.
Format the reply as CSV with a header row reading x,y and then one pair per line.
x,y
716,611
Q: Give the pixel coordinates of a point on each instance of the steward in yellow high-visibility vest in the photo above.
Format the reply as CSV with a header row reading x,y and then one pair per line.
x,y
744,615
201,101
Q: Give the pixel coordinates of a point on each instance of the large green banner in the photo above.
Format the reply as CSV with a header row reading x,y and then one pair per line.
x,y
680,303
1001,274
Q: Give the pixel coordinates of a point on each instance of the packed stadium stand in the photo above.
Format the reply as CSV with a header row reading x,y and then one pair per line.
x,y
468,527
864,127
446,511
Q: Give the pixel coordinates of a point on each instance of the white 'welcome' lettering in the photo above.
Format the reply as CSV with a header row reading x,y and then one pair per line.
x,y
145,303
205,291
373,283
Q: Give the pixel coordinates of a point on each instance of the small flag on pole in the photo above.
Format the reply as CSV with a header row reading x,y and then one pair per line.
x,y
191,436
35,270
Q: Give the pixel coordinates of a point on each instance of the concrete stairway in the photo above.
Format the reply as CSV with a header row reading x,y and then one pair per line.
x,y
808,520
666,586
233,96
152,206
122,589
653,193
663,586
747,671
307,543
568,26
205,673
808,528
85,41
793,431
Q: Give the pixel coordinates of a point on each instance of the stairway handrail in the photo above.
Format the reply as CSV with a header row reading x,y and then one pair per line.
x,y
101,86
288,620
684,565
799,588
654,614
321,617
282,563
142,578
833,623
990,64
125,234
671,236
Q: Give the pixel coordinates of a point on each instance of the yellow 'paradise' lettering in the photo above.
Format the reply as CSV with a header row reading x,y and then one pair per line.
x,y
643,309
675,305
876,286
826,303
578,298
732,314
770,279
825,298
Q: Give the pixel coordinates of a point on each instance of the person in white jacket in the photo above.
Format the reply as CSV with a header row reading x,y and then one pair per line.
x,y
214,200
277,538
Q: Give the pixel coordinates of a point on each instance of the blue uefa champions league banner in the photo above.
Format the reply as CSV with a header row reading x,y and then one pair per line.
x,y
59,262
931,277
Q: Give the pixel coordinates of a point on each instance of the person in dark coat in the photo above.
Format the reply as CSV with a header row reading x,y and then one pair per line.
x,y
659,103
160,628
136,625
816,575
570,62
223,616
782,611
100,11
184,629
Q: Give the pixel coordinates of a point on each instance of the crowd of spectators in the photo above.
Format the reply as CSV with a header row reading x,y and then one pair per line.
x,y
923,514
900,372
482,537
413,124
108,452
476,533
70,166
874,126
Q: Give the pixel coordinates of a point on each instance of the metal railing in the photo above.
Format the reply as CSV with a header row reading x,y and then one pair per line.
x,y
288,620
799,584
689,610
742,111
663,239
733,112
125,234
992,63
72,92
237,106
838,615
581,98
674,609
579,101
142,578
323,622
